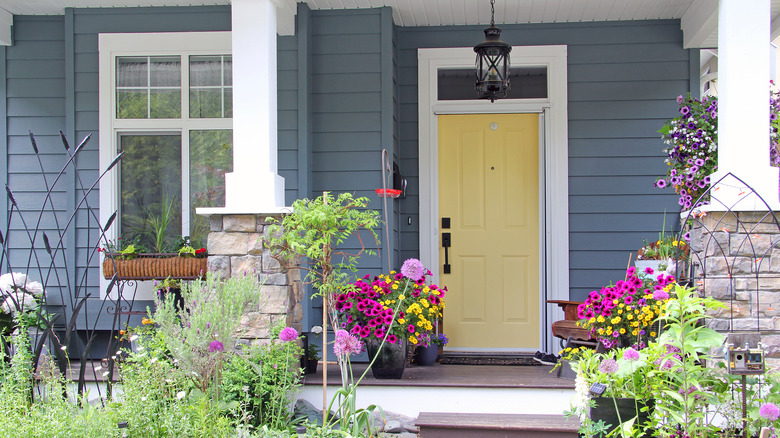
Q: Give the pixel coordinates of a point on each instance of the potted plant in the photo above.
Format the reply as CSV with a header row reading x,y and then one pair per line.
x,y
624,314
312,353
662,255
150,252
132,261
428,349
399,304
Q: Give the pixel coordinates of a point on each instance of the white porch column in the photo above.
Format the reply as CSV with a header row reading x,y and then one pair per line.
x,y
743,104
254,185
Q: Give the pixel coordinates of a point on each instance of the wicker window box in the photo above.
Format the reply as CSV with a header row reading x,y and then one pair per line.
x,y
154,266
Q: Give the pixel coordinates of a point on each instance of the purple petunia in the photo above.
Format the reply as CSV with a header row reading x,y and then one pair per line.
x,y
661,183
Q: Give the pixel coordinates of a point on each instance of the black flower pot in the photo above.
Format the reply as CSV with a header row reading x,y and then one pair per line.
x,y
426,356
628,408
390,360
311,366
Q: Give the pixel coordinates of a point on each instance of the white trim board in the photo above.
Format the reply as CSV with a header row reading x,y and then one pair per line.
x,y
554,189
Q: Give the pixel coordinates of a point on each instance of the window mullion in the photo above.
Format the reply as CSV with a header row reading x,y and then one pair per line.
x,y
185,182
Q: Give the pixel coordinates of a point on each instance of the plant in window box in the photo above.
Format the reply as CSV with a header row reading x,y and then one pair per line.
x,y
132,264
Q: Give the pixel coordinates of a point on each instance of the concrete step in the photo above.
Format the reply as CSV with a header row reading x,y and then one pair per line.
x,y
453,425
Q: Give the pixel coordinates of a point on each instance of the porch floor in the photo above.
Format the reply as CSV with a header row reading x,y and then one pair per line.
x,y
454,376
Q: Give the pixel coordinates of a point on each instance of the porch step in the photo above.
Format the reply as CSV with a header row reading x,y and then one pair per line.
x,y
452,425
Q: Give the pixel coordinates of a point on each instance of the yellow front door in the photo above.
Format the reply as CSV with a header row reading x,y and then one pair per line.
x,y
489,191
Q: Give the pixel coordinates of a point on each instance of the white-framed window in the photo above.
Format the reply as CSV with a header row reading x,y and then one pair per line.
x,y
165,102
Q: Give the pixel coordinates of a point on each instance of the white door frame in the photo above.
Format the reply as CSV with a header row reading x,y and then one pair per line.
x,y
553,161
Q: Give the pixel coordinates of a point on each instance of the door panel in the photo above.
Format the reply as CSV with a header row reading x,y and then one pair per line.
x,y
489,187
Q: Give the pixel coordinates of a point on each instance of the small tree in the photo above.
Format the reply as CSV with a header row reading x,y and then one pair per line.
x,y
314,231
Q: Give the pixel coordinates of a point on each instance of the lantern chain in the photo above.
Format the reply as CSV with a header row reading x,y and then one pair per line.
x,y
492,12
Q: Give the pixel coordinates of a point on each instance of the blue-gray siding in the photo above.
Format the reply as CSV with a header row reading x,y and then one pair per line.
x,y
50,79
348,89
623,81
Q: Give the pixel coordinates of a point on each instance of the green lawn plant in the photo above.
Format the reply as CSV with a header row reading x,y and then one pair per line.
x,y
263,380
689,342
199,335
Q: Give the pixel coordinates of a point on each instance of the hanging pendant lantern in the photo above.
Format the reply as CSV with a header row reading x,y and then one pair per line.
x,y
492,65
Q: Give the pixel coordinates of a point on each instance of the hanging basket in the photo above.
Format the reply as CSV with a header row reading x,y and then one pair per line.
x,y
155,266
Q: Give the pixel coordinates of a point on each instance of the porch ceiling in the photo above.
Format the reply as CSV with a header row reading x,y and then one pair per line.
x,y
699,17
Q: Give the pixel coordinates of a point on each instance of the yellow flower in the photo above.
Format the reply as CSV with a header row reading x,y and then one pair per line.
x,y
635,332
592,320
616,320
400,297
652,334
600,318
146,321
622,331
394,286
401,321
629,316
413,340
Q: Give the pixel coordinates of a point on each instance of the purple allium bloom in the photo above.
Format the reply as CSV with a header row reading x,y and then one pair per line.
x,y
631,354
346,344
288,334
660,295
215,346
413,269
770,411
608,366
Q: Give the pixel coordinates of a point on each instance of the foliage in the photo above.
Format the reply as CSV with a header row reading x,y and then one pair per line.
x,y
627,310
427,339
670,371
692,155
263,379
354,421
315,229
312,352
20,299
689,343
198,334
665,248
367,308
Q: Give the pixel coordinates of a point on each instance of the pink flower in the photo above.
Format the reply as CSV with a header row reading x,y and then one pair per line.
x,y
608,366
215,346
770,411
346,344
288,334
660,295
631,354
413,269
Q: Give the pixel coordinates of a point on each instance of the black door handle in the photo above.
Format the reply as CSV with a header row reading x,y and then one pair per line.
x,y
446,242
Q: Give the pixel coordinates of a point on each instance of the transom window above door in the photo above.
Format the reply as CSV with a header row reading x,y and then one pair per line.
x,y
524,83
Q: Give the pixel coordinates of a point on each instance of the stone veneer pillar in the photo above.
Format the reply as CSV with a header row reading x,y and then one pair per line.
x,y
235,245
737,258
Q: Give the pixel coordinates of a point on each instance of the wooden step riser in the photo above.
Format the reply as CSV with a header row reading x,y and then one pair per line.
x,y
433,432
